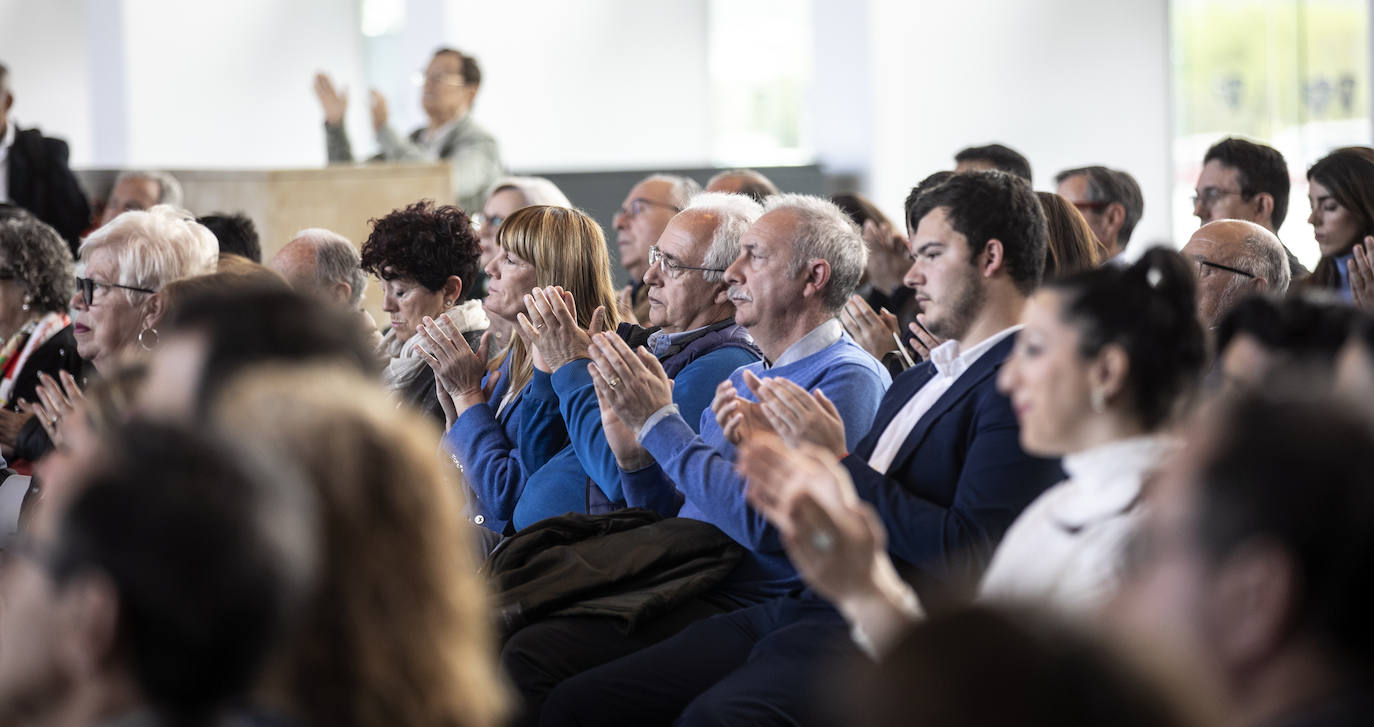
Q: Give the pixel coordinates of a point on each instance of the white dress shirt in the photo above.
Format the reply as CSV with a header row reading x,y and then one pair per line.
x,y
950,363
6,142
1065,549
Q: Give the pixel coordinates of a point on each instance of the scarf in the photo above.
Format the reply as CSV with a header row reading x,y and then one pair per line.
x,y
404,362
20,347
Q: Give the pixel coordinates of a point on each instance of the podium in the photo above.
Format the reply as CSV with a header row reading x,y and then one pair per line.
x,y
281,202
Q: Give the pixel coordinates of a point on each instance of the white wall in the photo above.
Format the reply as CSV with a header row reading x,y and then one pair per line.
x,y
1066,82
43,45
590,84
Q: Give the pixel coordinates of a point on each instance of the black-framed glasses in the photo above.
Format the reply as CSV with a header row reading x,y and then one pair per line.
x,y
1203,264
639,205
1208,196
88,286
671,267
1086,207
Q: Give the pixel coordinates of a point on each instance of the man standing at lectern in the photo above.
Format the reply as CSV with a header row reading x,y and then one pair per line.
x,y
449,84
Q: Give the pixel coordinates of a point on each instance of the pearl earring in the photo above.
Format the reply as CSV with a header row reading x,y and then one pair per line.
x,y
1099,401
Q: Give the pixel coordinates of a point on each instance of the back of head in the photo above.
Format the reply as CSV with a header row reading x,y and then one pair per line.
x,y
1261,253
1072,247
1112,186
232,273
824,232
1287,474
236,234
425,243
336,261
980,666
1149,310
155,247
536,190
1000,157
734,214
169,189
1302,329
1348,174
209,551
1259,169
398,632
748,182
246,325
985,206
860,209
39,260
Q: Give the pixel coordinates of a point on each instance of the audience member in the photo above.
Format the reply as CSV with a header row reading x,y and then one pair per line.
x,y
748,182
993,156
1100,370
36,275
139,191
398,630
323,264
1110,201
1073,245
946,471
486,406
1264,334
34,173
1341,192
153,587
638,224
236,235
426,258
1234,259
506,196
448,88
699,345
1257,586
1242,180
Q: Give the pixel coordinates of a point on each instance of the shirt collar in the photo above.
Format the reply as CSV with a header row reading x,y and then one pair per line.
x,y
660,341
951,361
1107,479
818,339
439,133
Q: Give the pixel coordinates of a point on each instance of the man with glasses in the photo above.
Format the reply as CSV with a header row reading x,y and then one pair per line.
x,y
1110,201
449,86
638,224
1235,259
1242,180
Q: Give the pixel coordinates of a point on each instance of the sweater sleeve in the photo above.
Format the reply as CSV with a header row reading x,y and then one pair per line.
x,y
540,431
489,460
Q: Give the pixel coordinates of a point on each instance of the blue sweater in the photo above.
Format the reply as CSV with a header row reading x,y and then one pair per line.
x,y
702,466
495,468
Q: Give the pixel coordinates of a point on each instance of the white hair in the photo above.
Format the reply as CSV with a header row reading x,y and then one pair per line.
x,y
824,232
736,212
336,261
1263,254
536,190
154,247
169,189
681,189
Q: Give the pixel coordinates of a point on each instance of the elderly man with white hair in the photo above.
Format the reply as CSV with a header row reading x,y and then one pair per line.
x,y
324,264
1235,259
638,224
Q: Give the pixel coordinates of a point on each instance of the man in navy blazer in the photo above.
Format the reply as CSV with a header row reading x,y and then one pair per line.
x,y
942,464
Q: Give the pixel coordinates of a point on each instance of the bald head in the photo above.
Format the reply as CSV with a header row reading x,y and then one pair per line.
x,y
1235,258
323,264
743,181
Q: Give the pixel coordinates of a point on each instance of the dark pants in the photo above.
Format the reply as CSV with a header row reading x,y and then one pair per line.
x,y
540,656
763,665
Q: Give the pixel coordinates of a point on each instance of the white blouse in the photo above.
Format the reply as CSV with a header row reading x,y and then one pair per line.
x,y
1064,551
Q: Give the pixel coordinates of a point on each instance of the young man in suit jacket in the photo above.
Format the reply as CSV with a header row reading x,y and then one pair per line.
x,y
942,464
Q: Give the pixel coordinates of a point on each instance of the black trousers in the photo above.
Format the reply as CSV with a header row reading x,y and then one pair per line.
x,y
540,656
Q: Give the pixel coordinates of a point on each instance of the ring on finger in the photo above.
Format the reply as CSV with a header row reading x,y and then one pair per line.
x,y
822,541
613,382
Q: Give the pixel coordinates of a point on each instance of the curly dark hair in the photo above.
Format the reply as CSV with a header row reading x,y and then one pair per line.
x,y
424,243
41,262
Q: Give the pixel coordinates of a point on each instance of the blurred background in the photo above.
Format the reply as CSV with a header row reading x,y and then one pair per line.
x,y
875,93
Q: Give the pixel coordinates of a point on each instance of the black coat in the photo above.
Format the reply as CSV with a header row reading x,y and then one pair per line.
x,y
40,182
56,354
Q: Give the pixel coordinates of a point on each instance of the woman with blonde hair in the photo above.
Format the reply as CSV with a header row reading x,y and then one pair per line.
x,y
496,433
398,630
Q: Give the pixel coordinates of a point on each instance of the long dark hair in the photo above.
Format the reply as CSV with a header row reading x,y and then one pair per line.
x,y
1348,173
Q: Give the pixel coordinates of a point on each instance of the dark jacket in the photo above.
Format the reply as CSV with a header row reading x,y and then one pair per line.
x,y
40,182
56,354
628,565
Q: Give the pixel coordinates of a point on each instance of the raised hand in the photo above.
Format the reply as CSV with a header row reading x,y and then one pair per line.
x,y
737,417
457,369
55,401
636,385
629,454
875,332
378,109
801,417
549,326
333,100
1362,275
922,340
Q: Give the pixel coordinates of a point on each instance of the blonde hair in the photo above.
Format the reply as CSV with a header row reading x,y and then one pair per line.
x,y
566,248
399,631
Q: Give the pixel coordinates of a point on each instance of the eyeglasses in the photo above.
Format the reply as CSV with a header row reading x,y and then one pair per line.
x,y
88,286
480,221
1204,267
447,79
1208,196
639,205
672,268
